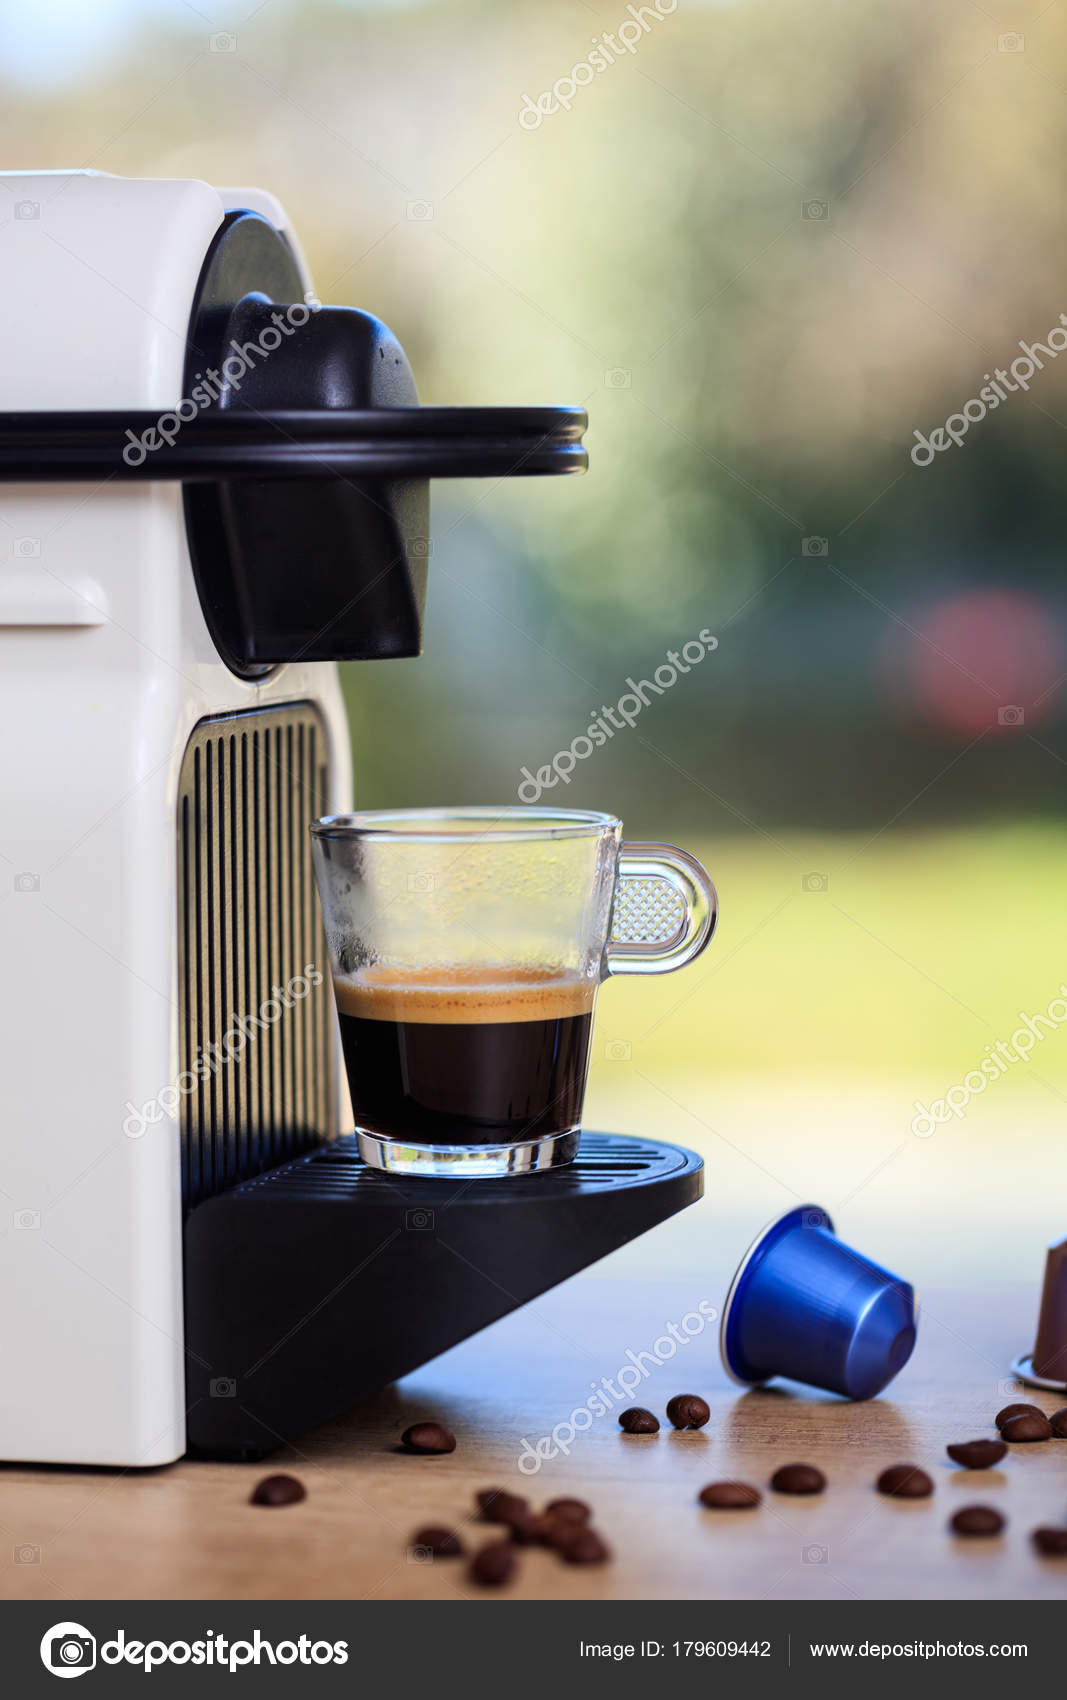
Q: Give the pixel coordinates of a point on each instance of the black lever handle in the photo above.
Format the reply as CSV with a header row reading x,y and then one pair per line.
x,y
379,442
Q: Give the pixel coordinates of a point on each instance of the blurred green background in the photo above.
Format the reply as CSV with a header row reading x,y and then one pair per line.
x,y
764,248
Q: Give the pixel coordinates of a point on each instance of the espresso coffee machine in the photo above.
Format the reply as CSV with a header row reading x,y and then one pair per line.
x,y
214,490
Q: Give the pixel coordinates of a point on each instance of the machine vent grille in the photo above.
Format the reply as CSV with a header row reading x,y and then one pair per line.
x,y
256,1034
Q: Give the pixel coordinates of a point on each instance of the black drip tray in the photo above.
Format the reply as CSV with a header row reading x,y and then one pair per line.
x,y
603,1160
322,1280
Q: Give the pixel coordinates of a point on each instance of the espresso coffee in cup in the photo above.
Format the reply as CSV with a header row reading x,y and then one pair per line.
x,y
467,948
476,1055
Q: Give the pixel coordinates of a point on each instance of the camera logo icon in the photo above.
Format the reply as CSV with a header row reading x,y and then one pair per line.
x,y
814,547
1011,715
68,1649
223,1387
419,1221
1011,42
422,884
617,378
223,42
815,209
815,1555
421,546
27,209
27,882
27,1554
815,882
420,1555
618,1050
25,1220
420,211
27,548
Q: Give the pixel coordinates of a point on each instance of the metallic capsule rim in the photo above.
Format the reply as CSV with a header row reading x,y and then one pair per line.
x,y
1023,1369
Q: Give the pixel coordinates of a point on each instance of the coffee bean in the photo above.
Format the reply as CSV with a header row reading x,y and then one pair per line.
x,y
526,1528
494,1565
443,1543
486,1498
569,1510
278,1490
1052,1542
1010,1411
584,1546
977,1454
687,1410
905,1481
428,1437
497,1505
513,1511
1027,1427
729,1496
507,1508
1058,1423
977,1520
555,1533
798,1478
638,1421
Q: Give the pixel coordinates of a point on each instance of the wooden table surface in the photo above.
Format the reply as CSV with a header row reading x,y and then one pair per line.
x,y
188,1532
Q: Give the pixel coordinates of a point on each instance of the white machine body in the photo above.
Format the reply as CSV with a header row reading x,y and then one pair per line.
x,y
106,668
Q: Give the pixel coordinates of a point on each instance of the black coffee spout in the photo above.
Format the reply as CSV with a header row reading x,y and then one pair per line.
x,y
328,566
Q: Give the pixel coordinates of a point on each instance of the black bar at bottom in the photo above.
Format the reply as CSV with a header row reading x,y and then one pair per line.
x,y
515,1647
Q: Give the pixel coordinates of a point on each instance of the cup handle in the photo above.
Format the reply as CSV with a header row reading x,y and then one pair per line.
x,y
664,912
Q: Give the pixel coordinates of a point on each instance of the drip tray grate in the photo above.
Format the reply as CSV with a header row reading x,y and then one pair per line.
x,y
604,1160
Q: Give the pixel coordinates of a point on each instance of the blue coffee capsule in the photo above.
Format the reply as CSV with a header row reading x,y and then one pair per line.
x,y
805,1305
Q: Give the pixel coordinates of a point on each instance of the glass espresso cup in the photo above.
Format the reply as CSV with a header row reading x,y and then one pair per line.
x,y
467,947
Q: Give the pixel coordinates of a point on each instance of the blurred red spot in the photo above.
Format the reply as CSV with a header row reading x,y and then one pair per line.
x,y
984,659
